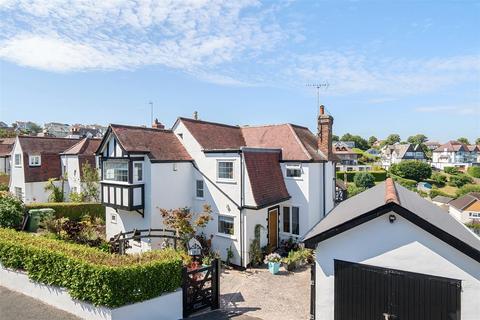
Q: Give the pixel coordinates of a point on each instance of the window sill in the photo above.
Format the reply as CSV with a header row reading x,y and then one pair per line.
x,y
226,236
199,199
294,178
289,234
226,181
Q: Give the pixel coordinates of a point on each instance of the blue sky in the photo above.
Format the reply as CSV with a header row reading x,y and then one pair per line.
x,y
402,67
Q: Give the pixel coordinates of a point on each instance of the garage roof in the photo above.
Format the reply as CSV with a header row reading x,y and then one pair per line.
x,y
389,196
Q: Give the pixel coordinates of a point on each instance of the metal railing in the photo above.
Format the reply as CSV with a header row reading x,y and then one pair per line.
x,y
120,242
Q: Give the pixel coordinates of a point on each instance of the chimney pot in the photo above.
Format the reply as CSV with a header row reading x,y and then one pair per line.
x,y
322,109
195,115
157,124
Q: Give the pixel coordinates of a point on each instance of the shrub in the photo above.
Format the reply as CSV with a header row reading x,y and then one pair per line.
x,y
451,170
459,180
76,197
379,175
412,169
89,274
364,180
11,210
439,179
56,192
436,192
407,183
353,190
4,187
73,211
467,189
474,172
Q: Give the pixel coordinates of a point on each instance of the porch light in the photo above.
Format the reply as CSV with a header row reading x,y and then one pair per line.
x,y
392,218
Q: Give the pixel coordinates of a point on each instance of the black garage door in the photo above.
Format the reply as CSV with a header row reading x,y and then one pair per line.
x,y
364,292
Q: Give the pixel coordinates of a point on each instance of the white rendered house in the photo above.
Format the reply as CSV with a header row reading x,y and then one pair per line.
x,y
387,253
6,146
281,177
455,154
34,161
396,153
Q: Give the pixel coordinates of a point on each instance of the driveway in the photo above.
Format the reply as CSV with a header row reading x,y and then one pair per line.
x,y
15,306
259,294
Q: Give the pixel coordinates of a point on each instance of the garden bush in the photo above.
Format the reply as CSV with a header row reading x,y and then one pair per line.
x,y
439,179
467,189
4,187
379,176
436,192
407,183
451,170
73,211
459,180
353,190
11,210
474,172
364,180
89,274
412,170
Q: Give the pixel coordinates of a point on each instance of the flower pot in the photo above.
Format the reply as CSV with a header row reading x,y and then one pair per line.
x,y
273,267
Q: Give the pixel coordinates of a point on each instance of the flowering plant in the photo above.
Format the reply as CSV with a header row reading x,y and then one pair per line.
x,y
273,257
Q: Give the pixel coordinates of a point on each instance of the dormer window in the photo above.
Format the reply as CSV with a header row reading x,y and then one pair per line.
x,y
34,161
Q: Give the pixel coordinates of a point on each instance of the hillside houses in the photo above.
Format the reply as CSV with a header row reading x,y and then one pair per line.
x,y
391,154
281,177
455,154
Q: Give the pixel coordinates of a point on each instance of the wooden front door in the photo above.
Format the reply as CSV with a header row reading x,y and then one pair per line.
x,y
273,228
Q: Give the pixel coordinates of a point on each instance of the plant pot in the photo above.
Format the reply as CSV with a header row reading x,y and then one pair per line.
x,y
273,267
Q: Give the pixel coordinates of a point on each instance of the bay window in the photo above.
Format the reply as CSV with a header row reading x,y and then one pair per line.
x,y
115,170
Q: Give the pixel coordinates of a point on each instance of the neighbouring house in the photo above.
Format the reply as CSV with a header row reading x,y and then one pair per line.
x,y
432,145
281,177
466,208
73,160
34,161
395,153
3,125
348,159
373,152
387,253
442,201
6,146
455,154
55,129
23,126
86,131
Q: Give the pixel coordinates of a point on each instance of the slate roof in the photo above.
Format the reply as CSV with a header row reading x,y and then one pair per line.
x,y
49,149
265,175
6,146
158,144
383,199
465,201
296,142
401,149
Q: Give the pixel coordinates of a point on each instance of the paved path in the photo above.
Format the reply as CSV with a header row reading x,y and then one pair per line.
x,y
16,306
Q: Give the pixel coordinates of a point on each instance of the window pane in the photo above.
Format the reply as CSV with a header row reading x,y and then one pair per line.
x,y
225,225
115,170
138,169
199,189
17,159
286,219
294,172
225,170
295,220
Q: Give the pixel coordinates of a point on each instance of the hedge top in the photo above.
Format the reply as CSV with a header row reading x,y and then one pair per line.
x,y
88,254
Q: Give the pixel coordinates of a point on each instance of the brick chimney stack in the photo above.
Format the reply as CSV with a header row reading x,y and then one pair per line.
x,y
157,125
324,141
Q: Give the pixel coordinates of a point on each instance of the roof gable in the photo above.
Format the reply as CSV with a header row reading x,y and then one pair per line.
x,y
85,146
465,201
380,200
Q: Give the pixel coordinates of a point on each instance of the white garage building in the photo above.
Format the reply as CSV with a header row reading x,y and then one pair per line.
x,y
389,254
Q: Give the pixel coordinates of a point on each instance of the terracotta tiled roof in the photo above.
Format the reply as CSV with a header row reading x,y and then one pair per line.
x,y
49,149
160,145
390,191
297,143
266,179
452,146
340,148
463,202
6,146
85,146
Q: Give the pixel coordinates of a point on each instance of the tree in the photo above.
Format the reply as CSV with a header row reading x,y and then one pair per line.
x,y
335,138
11,210
463,140
459,180
7,134
90,181
372,140
391,139
474,172
440,179
185,222
360,143
35,128
477,141
412,169
364,180
417,139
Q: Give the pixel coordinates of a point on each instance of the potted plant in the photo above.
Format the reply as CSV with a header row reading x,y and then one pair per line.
x,y
273,260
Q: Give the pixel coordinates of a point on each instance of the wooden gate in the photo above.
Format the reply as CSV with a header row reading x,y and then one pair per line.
x,y
201,288
364,292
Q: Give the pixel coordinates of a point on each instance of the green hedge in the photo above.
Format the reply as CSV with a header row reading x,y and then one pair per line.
x,y
378,175
89,274
71,210
407,183
436,192
474,172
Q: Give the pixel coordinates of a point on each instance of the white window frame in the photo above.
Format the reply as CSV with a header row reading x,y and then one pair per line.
x,y
18,194
290,226
105,176
293,166
19,155
135,175
222,234
32,162
197,189
220,179
113,218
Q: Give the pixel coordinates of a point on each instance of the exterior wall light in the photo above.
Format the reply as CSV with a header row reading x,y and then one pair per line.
x,y
392,218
